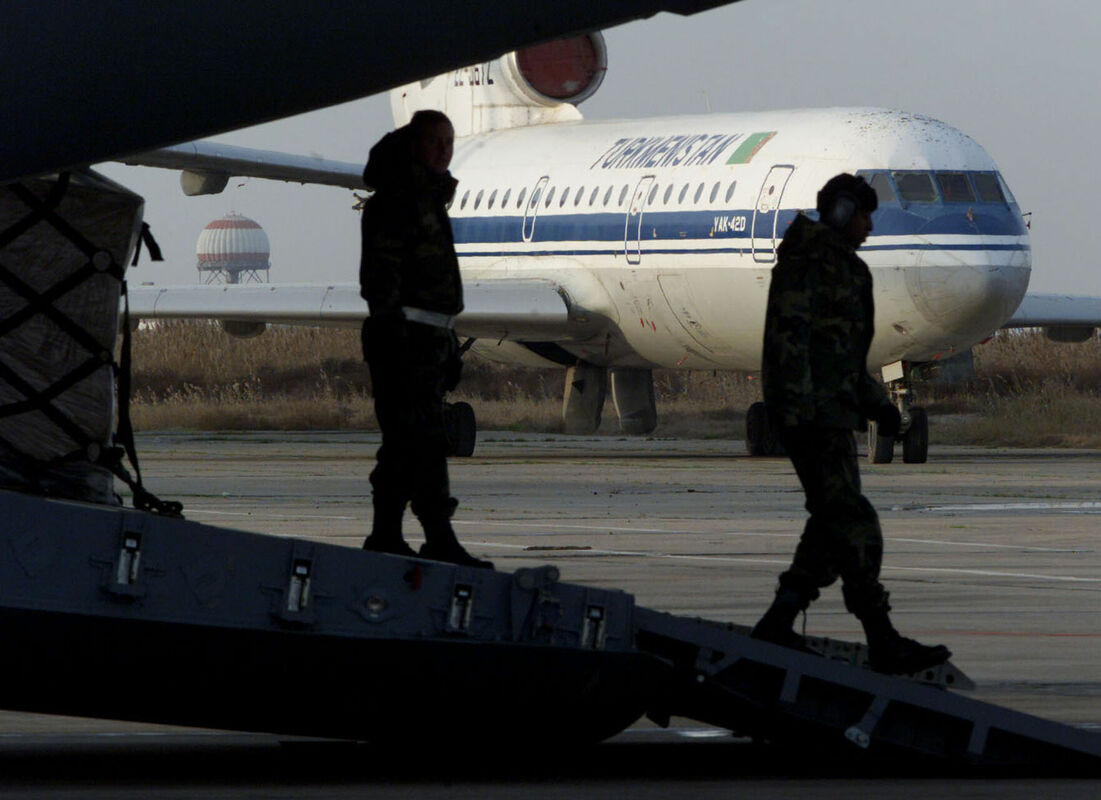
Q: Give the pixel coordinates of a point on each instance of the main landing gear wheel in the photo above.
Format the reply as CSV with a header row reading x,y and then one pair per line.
x,y
915,442
881,449
760,439
461,428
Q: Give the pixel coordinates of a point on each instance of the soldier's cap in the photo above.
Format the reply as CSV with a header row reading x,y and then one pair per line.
x,y
845,184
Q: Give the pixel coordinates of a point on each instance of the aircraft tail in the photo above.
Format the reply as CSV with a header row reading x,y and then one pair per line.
x,y
534,86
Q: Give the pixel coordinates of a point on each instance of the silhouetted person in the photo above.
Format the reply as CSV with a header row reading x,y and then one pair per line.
x,y
817,390
409,275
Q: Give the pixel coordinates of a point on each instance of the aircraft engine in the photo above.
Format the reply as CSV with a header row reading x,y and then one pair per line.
x,y
562,71
533,86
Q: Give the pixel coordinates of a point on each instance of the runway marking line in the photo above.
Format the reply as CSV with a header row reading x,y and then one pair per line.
x,y
786,562
1010,634
723,559
781,534
267,515
1073,505
625,529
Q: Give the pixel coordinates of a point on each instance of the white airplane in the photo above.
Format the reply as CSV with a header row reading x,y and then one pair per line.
x,y
613,248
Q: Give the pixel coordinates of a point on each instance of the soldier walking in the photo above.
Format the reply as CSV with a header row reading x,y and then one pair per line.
x,y
409,276
817,390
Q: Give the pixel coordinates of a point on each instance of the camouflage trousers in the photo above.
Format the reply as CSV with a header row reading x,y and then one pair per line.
x,y
409,378
842,537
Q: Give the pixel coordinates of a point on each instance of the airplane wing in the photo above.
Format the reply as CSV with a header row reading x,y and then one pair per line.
x,y
82,83
207,166
505,309
1056,310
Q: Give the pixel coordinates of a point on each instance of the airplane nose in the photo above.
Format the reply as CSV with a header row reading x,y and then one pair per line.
x,y
965,302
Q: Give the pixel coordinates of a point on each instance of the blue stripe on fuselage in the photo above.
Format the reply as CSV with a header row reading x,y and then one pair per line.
x,y
657,226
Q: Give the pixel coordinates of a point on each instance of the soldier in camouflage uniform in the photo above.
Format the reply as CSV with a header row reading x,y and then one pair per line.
x,y
409,276
817,391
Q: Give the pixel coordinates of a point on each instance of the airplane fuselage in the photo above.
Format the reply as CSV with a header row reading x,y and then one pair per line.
x,y
662,233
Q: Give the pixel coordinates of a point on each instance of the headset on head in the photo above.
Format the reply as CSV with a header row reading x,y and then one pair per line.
x,y
841,210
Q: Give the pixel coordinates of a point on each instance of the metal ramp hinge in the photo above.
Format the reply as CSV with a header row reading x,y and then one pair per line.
x,y
129,558
976,743
710,662
593,627
789,691
298,595
462,606
124,579
298,590
860,734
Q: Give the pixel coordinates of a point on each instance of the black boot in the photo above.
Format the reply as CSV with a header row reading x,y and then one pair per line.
x,y
441,545
892,653
776,625
386,530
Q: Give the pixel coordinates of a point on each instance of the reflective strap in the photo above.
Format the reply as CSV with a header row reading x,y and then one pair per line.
x,y
428,317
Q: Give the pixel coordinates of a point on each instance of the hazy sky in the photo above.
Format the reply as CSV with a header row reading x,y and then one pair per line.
x,y
1023,78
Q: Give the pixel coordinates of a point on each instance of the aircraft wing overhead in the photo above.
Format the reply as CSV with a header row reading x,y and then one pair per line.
x,y
506,309
1043,310
217,162
82,83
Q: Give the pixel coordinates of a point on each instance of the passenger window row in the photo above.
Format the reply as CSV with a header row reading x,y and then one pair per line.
x,y
593,199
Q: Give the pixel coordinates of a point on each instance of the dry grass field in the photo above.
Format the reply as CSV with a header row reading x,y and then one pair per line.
x,y
1027,391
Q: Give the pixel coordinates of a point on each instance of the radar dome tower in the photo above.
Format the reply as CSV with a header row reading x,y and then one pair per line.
x,y
233,249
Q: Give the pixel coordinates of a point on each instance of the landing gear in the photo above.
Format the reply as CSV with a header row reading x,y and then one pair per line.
x,y
914,434
461,428
760,436
881,449
633,396
586,386
915,441
632,390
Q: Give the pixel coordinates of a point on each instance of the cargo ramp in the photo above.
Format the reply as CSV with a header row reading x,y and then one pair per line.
x,y
116,613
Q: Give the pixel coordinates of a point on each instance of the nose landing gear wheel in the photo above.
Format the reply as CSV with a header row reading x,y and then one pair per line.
x,y
915,442
881,449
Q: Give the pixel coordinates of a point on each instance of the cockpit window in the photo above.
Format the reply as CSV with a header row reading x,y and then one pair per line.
x,y
882,185
915,187
986,184
955,188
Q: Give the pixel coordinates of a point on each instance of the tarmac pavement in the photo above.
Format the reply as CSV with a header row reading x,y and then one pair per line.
x,y
993,552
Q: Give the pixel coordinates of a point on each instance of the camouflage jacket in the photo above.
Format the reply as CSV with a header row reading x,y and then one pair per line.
x,y
408,250
818,329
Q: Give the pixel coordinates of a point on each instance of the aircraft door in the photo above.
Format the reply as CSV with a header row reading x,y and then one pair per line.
x,y
532,207
632,227
763,233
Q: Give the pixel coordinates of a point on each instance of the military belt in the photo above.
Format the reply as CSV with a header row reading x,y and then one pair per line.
x,y
425,317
